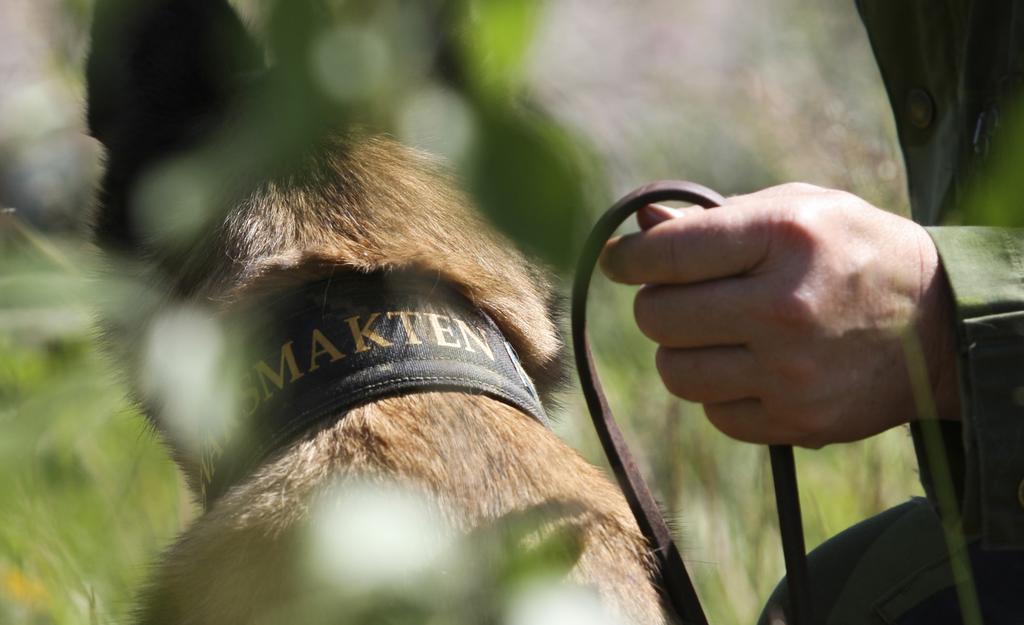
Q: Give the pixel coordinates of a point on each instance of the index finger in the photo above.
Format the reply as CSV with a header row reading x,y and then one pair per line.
x,y
706,245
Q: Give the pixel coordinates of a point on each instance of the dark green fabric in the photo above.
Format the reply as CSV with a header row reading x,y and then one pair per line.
x,y
985,267
919,46
894,569
876,570
950,68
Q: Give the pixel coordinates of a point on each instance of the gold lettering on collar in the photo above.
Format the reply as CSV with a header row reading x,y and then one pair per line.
x,y
406,317
441,331
322,346
277,377
252,395
473,337
360,334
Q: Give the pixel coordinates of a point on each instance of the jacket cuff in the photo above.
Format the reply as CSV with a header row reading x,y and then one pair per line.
x,y
985,268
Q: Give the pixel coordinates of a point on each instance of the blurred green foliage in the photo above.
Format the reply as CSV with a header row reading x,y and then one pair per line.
x,y
541,109
87,492
996,189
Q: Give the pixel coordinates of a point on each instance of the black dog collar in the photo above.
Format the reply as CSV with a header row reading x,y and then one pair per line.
x,y
346,341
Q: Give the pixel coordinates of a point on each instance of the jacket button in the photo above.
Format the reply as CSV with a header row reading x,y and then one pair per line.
x,y
920,108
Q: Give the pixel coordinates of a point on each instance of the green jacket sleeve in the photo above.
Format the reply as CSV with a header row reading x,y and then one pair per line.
x,y
985,267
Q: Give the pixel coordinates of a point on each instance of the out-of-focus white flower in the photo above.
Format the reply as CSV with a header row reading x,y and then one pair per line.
x,y
439,121
183,371
351,63
558,604
369,537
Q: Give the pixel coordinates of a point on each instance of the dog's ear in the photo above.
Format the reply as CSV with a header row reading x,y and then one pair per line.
x,y
161,75
158,66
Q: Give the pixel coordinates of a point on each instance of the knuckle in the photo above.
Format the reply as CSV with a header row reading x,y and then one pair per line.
x,y
795,229
796,188
802,221
845,198
796,308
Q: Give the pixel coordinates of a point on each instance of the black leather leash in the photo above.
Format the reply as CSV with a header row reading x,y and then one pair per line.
x,y
676,585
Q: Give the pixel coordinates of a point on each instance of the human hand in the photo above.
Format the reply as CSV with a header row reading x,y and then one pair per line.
x,y
782,312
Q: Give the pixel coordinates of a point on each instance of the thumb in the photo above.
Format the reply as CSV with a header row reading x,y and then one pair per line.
x,y
653,214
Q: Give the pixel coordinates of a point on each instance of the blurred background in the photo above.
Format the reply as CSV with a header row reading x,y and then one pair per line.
x,y
557,108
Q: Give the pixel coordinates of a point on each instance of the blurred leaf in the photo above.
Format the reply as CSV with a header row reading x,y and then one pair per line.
x,y
544,541
496,36
527,175
995,194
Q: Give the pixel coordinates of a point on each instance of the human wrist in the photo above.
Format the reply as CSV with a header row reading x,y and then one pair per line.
x,y
937,331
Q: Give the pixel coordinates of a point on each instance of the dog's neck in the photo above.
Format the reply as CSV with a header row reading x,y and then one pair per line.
x,y
329,346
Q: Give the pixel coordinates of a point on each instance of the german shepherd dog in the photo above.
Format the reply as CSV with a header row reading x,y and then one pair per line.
x,y
355,206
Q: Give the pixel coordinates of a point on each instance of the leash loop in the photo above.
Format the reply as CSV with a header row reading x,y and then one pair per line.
x,y
676,586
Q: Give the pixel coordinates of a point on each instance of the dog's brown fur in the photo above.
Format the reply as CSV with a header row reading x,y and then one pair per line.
x,y
367,204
